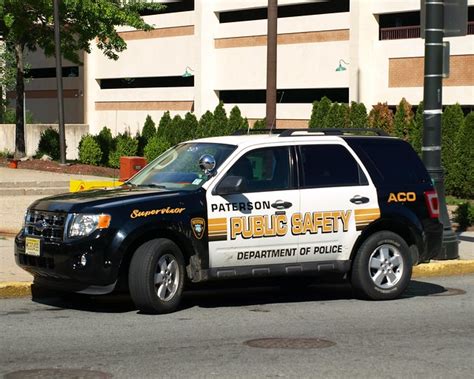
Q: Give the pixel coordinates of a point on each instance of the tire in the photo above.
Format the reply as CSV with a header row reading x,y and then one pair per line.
x,y
382,267
156,276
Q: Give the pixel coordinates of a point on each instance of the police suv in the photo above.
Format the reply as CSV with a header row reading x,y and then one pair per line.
x,y
283,203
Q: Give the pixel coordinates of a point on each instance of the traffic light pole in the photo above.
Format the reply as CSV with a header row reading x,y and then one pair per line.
x,y
432,98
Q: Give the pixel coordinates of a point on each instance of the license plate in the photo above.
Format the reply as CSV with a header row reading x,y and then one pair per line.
x,y
32,246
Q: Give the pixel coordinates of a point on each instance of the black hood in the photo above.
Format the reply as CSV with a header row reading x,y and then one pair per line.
x,y
85,201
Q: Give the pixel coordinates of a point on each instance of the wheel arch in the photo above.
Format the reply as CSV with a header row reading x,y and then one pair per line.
x,y
132,244
404,228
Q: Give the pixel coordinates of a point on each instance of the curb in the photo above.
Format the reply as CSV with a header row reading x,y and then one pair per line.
x,y
9,290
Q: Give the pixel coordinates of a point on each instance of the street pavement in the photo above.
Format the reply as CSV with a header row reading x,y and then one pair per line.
x,y
12,210
428,333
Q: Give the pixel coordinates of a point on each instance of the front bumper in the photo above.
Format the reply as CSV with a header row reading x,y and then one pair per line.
x,y
59,264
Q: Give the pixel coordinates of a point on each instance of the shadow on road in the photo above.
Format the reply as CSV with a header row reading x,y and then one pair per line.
x,y
230,294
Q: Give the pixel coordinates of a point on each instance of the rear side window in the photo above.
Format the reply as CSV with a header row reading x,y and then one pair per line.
x,y
391,162
329,166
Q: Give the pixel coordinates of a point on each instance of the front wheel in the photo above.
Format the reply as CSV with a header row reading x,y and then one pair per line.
x,y
156,276
382,267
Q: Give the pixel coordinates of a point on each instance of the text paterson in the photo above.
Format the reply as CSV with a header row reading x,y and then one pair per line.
x,y
242,207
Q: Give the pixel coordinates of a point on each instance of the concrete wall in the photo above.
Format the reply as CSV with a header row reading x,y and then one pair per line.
x,y
74,133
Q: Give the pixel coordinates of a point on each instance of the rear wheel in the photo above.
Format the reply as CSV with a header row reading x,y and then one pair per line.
x,y
382,267
156,276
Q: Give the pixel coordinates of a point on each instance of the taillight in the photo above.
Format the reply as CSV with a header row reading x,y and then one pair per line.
x,y
432,203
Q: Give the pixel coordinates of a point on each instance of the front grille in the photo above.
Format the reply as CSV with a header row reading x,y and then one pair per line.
x,y
29,260
47,225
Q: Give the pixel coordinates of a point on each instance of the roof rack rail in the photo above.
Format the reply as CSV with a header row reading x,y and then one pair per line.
x,y
332,131
258,131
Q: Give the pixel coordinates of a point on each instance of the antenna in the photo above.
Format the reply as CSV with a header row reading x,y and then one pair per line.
x,y
274,120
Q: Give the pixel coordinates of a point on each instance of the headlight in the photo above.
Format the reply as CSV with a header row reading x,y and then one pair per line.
x,y
83,225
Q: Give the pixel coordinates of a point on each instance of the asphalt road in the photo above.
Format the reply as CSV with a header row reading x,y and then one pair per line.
x,y
428,333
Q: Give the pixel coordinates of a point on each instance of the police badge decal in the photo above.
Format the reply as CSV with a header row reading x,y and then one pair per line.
x,y
198,225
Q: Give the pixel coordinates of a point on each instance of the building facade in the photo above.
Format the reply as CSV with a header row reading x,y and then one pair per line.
x,y
368,51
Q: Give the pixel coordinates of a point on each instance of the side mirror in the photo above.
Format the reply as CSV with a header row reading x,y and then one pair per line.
x,y
207,163
231,185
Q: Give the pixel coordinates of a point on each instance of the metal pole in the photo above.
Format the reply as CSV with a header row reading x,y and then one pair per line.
x,y
59,81
271,63
432,98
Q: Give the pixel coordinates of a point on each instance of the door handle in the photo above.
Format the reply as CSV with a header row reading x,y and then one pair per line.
x,y
280,204
357,199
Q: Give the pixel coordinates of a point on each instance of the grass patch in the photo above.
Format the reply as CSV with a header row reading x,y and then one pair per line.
x,y
451,200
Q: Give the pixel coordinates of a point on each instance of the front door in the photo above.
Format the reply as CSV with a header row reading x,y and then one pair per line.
x,y
253,228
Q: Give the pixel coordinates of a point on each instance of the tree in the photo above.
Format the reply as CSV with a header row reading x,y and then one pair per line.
x,y
451,122
189,127
381,117
403,121
464,170
320,113
236,121
164,125
7,75
335,117
205,125
28,25
416,135
148,131
358,115
220,121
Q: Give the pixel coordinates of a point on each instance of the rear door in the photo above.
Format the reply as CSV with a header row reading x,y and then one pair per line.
x,y
337,202
252,228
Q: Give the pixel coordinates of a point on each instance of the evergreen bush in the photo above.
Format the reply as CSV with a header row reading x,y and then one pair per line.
x,y
106,143
163,126
463,180
312,119
416,135
336,117
125,146
464,215
219,125
358,115
260,124
189,127
236,121
49,144
403,121
205,125
89,150
320,113
451,123
148,131
155,147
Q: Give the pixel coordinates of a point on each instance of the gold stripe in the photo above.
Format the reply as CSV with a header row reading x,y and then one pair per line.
x,y
217,221
143,105
367,217
368,210
176,31
283,39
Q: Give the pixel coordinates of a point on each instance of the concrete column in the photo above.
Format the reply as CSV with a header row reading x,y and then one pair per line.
x,y
205,28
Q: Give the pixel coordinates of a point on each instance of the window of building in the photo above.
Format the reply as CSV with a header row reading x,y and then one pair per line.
x,y
266,169
171,7
285,96
50,72
294,10
329,166
147,82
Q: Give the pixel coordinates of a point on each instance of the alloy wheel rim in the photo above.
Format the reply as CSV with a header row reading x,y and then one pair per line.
x,y
386,266
166,277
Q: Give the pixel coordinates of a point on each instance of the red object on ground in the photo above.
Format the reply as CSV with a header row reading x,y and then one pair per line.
x,y
129,166
13,163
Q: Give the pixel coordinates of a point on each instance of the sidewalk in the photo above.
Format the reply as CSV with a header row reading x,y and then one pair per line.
x,y
22,187
16,282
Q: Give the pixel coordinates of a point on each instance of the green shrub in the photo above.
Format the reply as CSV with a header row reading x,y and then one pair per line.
x,y
452,122
164,126
155,147
464,215
403,121
236,121
463,178
125,146
219,124
9,116
358,115
89,150
416,135
49,144
148,131
205,125
336,117
106,144
320,112
260,124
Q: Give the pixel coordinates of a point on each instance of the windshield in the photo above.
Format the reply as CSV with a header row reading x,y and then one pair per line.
x,y
178,168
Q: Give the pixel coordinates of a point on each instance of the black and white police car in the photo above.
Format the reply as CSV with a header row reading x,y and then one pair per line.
x,y
261,205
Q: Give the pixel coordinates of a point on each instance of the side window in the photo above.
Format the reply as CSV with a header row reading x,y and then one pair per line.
x,y
266,169
329,166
